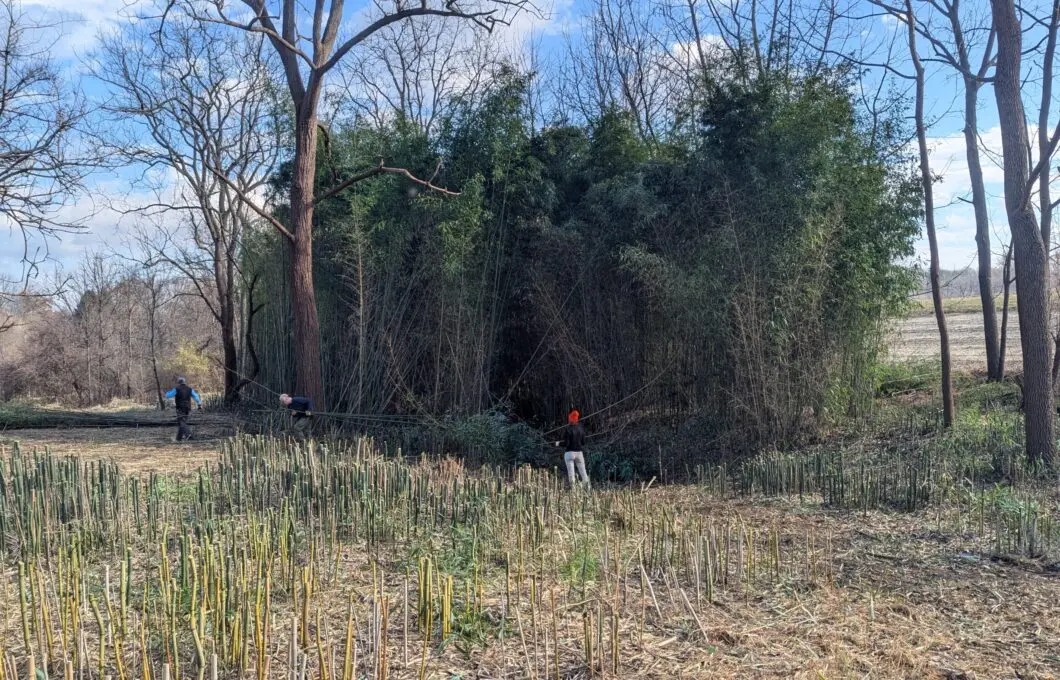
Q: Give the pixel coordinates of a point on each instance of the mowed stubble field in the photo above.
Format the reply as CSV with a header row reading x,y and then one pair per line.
x,y
916,339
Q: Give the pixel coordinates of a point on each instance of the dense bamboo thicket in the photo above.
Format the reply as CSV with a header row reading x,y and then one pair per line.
x,y
734,277
327,559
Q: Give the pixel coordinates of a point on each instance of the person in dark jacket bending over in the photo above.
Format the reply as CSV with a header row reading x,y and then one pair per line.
x,y
302,408
573,445
182,395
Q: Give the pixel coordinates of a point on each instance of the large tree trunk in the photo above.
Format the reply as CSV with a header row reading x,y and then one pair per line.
x,y
224,259
929,223
994,370
1030,251
306,329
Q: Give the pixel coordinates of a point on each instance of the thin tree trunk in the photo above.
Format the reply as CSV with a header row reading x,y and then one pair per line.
x,y
1006,282
929,222
1030,251
361,335
248,338
306,327
1045,199
994,369
224,257
153,323
1056,358
1045,205
972,83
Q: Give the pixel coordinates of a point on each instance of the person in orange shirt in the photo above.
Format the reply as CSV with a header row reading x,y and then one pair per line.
x,y
573,447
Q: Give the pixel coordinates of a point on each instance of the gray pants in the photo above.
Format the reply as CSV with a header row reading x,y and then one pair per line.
x,y
183,431
572,458
302,427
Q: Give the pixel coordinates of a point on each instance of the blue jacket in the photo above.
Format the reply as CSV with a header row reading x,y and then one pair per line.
x,y
194,395
301,406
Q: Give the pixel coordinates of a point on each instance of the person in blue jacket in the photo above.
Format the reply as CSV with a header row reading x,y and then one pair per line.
x,y
302,408
182,395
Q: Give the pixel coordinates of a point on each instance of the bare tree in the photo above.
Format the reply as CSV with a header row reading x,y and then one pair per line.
x,y
929,216
623,31
89,303
763,36
202,102
1030,247
414,70
907,18
42,162
1048,139
310,43
156,292
625,65
953,44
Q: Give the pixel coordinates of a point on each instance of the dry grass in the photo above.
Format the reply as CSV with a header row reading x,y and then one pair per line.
x,y
136,450
924,306
902,601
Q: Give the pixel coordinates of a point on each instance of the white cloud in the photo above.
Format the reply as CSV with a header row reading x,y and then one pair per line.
x,y
550,19
949,160
711,45
76,24
954,216
105,215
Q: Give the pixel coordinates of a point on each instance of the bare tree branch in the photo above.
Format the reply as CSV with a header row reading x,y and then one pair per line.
x,y
44,157
384,170
199,102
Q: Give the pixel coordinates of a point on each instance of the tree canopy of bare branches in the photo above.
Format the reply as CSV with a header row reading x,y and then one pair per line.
x,y
42,160
202,103
415,71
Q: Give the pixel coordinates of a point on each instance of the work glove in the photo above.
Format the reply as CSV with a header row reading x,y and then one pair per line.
x,y
200,407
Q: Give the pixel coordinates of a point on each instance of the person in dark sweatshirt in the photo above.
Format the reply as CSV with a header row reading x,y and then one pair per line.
x,y
182,395
573,447
302,408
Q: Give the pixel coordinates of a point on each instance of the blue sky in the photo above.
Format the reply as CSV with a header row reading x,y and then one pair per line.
x,y
80,21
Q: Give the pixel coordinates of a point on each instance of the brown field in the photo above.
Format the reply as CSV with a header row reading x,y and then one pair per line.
x,y
916,339
136,449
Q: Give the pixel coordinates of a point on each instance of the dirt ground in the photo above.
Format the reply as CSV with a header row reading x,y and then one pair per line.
x,y
905,600
916,338
136,450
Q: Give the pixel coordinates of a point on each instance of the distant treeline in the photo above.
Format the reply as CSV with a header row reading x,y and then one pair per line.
x,y
962,282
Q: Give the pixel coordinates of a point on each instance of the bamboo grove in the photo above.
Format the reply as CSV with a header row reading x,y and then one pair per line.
x,y
327,559
754,254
